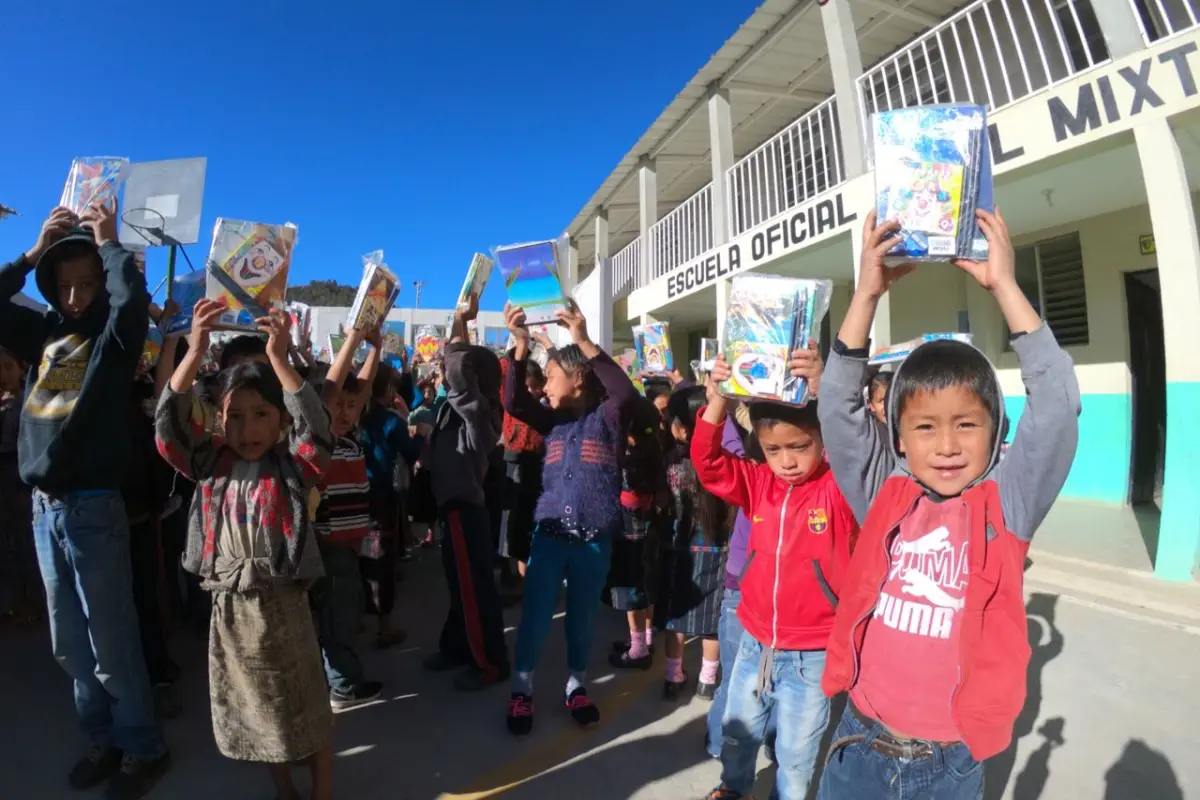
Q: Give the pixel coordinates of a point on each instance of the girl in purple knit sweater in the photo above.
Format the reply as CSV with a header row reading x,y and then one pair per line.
x,y
579,510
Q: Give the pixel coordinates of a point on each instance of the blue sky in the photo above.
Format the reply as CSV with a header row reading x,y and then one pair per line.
x,y
430,130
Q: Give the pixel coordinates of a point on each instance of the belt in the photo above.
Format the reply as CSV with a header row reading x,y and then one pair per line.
x,y
885,743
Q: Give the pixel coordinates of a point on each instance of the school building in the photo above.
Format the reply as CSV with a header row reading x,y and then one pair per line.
x,y
763,162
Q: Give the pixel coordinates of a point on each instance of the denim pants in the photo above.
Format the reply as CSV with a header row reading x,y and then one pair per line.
x,y
729,634
856,770
82,545
339,598
792,693
585,566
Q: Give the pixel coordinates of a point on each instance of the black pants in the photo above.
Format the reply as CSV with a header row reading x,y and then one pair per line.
x,y
379,568
474,629
146,561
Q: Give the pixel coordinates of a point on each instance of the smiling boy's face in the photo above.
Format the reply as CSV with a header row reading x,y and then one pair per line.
x,y
946,435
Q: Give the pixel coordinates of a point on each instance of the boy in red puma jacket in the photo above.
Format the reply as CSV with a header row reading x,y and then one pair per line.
x,y
800,536
930,635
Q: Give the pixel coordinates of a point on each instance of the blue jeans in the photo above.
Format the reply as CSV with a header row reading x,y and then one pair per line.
x,y
83,552
793,692
729,633
856,770
340,599
585,566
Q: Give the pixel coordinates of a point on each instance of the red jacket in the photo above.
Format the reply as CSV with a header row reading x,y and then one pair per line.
x,y
993,643
800,540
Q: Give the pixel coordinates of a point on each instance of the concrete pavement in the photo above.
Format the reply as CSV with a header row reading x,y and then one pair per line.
x,y
1110,714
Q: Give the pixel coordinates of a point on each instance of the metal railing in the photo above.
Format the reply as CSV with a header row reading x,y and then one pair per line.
x,y
683,234
798,163
993,53
1159,19
627,269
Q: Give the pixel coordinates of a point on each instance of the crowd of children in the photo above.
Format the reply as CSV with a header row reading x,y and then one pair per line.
x,y
870,542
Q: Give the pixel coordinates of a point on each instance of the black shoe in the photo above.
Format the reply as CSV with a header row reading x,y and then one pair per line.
x,y
440,662
623,660
476,680
672,691
520,714
705,691
722,792
100,764
582,709
621,645
364,692
137,777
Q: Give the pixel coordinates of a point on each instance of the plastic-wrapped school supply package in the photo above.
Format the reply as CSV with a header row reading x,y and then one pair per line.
x,y
932,171
151,350
94,179
377,293
248,269
653,345
898,352
531,278
628,360
769,317
427,343
476,281
301,316
709,348
393,338
186,291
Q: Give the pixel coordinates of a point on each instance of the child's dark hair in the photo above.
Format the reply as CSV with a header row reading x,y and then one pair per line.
x,y
712,514
351,384
939,365
242,348
880,380
656,388
488,376
384,379
255,377
684,405
573,362
765,415
534,374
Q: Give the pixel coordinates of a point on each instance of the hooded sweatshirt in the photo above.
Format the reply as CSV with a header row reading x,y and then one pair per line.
x,y
466,437
930,634
75,422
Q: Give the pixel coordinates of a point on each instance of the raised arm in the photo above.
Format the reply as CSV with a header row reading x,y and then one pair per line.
x,y
464,396
341,367
128,297
518,402
727,476
180,435
310,442
22,330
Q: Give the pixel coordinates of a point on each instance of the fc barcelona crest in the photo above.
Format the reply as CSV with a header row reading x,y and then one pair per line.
x,y
817,521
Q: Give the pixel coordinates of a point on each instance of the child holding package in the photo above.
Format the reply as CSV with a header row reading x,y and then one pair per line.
x,y
800,539
930,637
465,436
591,400
250,539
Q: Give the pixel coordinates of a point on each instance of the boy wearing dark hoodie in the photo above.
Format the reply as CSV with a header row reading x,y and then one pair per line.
x,y
463,446
929,638
74,449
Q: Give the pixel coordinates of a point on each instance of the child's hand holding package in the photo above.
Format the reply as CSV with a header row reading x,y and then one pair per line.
x,y
717,407
807,364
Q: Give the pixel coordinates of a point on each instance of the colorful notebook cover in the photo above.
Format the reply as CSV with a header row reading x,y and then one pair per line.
x,y
186,291
393,338
93,179
377,292
336,342
476,280
653,345
248,269
531,278
427,343
769,317
927,177
633,368
150,350
901,351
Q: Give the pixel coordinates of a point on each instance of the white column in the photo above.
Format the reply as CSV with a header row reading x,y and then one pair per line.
x,y
1120,27
571,279
845,64
602,327
1178,247
648,208
720,142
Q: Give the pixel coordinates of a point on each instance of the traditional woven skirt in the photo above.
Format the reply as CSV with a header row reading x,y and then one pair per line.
x,y
270,702
691,587
631,576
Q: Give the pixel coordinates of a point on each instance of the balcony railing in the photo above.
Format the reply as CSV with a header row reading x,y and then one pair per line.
x,y
683,234
801,161
993,53
1162,18
627,269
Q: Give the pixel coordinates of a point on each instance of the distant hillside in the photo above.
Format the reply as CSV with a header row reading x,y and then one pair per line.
x,y
322,293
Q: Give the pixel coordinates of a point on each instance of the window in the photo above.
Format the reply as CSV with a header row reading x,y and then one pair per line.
x,y
1050,273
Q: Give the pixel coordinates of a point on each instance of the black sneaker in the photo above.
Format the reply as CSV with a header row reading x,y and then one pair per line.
x,y
582,709
672,690
705,691
623,660
137,777
440,662
364,692
100,764
476,680
520,714
722,792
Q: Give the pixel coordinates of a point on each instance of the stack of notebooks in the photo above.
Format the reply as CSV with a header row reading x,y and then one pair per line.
x,y
898,352
768,318
653,345
377,293
933,170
